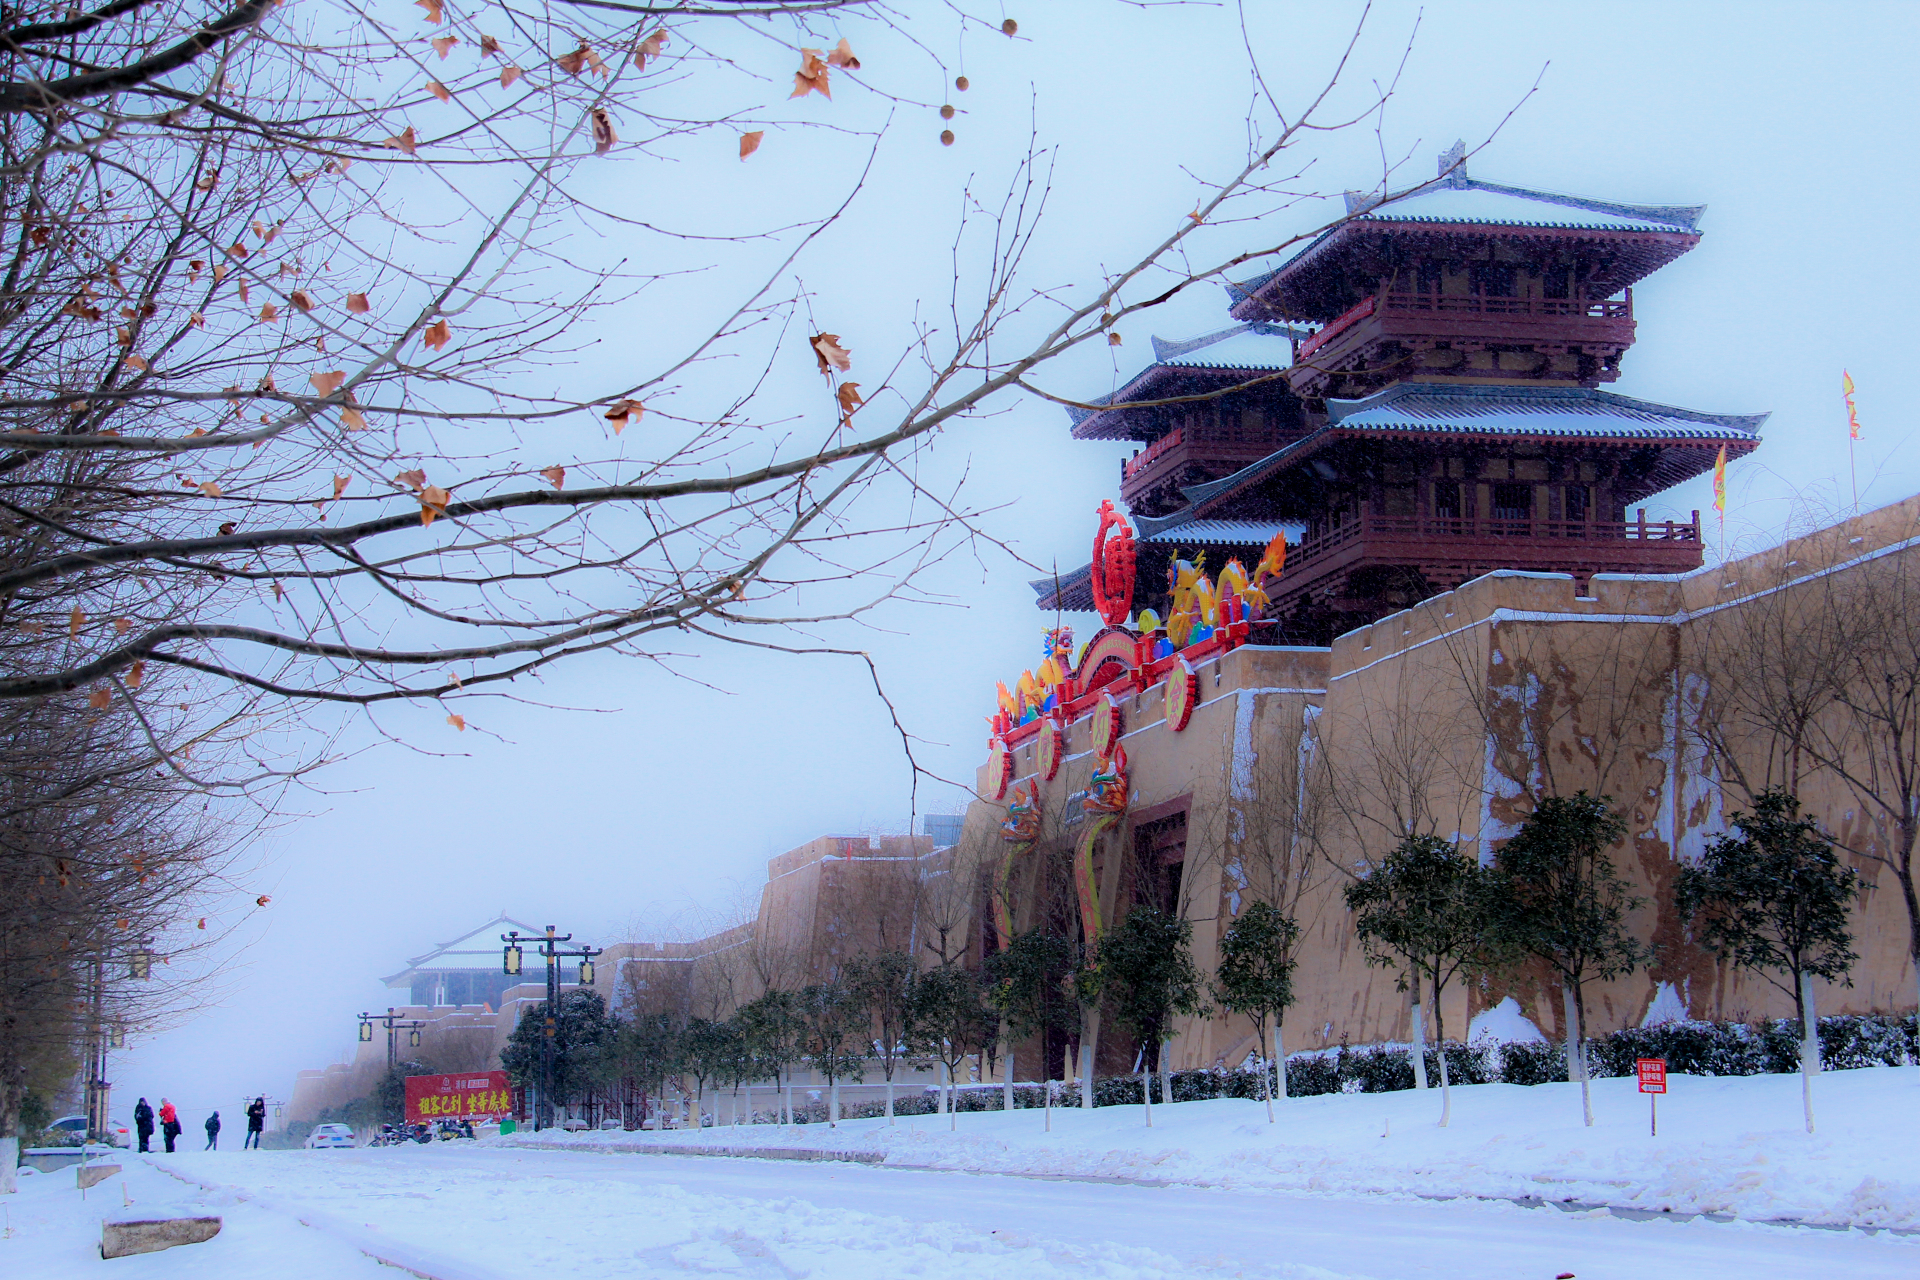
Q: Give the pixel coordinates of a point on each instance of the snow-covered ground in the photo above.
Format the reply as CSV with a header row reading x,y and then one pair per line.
x,y
1334,1192
1727,1145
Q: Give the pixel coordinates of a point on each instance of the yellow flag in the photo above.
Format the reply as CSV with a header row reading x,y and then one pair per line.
x,y
1853,416
1720,482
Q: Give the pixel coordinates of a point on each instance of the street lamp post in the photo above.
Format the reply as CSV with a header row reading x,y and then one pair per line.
x,y
393,1022
104,1033
547,945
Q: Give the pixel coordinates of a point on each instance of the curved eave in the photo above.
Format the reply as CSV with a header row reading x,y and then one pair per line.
x,y
1160,381
1264,298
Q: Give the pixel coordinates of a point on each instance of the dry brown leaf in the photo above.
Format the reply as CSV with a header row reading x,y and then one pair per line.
x,y
649,48
1195,215
573,63
33,628
209,488
439,91
432,7
842,56
849,397
508,74
121,626
750,142
339,485
269,312
443,45
100,699
433,502
262,900
618,412
277,592
403,141
207,183
136,674
357,304
300,300
136,362
238,250
228,526
488,45
329,382
437,334
603,134
219,272
352,419
415,479
828,351
76,620
197,320
811,77
556,475
457,722
243,291
596,66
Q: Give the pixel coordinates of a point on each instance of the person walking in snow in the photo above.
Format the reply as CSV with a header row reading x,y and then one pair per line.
x,y
169,1124
143,1123
256,1122
213,1131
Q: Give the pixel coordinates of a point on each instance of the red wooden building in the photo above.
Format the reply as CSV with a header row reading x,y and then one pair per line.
x,y
1416,402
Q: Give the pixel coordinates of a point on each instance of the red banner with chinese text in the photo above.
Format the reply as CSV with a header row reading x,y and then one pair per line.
x,y
471,1095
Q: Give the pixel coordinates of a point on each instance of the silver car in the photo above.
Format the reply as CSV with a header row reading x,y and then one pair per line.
x,y
74,1128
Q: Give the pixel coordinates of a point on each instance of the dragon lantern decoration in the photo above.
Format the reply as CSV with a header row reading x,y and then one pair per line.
x,y
1112,568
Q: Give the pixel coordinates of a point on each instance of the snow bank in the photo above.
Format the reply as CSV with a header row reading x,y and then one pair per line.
x,y
1727,1145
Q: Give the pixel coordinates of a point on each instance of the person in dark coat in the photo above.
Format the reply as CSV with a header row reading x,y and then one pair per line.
x,y
256,1122
213,1131
169,1124
143,1122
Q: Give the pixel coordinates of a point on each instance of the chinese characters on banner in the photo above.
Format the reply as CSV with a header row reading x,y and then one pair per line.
x,y
471,1095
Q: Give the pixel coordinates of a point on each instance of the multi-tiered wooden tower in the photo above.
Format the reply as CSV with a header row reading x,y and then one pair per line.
x,y
1416,401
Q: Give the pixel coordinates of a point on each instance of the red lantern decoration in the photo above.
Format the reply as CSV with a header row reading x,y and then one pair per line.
x,y
1049,751
1112,568
1183,695
999,772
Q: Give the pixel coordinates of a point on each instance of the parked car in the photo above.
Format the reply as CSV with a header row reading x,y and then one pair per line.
x,y
330,1135
72,1131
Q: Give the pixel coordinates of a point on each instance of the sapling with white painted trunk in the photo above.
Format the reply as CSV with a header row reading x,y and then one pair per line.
x,y
1254,978
1555,897
1775,900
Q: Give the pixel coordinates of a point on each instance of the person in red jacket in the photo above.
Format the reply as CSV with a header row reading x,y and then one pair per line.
x,y
169,1123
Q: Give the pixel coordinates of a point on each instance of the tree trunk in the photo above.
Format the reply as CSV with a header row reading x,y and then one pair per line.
x,y
833,1102
1089,1043
1146,1091
1440,1039
944,1107
889,1097
9,1159
789,1095
1166,1075
1419,1033
1006,1066
749,1088
1577,1045
1809,1045
1279,1057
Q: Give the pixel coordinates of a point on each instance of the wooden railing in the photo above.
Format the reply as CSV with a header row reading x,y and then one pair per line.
x,y
1445,529
1474,304
1146,457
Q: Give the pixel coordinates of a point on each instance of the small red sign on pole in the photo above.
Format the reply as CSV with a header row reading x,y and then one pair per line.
x,y
1653,1083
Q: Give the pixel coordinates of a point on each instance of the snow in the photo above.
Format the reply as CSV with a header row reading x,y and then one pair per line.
x,y
1727,1145
1668,1005
1335,1191
1503,1024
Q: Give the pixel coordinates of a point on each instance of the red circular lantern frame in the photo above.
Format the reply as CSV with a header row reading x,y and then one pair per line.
x,y
1183,695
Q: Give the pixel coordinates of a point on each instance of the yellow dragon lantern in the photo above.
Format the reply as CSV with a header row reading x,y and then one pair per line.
x,y
1057,665
1273,562
1195,608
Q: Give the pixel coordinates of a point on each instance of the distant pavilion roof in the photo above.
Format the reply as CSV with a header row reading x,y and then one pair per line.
x,y
1188,367
478,949
1646,237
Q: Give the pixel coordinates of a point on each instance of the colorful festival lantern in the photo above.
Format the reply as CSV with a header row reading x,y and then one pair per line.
x,y
1109,722
999,771
1183,695
1105,800
1049,750
1112,568
1020,831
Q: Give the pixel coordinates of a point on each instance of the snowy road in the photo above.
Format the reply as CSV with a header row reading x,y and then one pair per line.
x,y
477,1214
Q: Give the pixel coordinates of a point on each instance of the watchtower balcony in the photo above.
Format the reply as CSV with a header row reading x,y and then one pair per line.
x,y
1441,334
